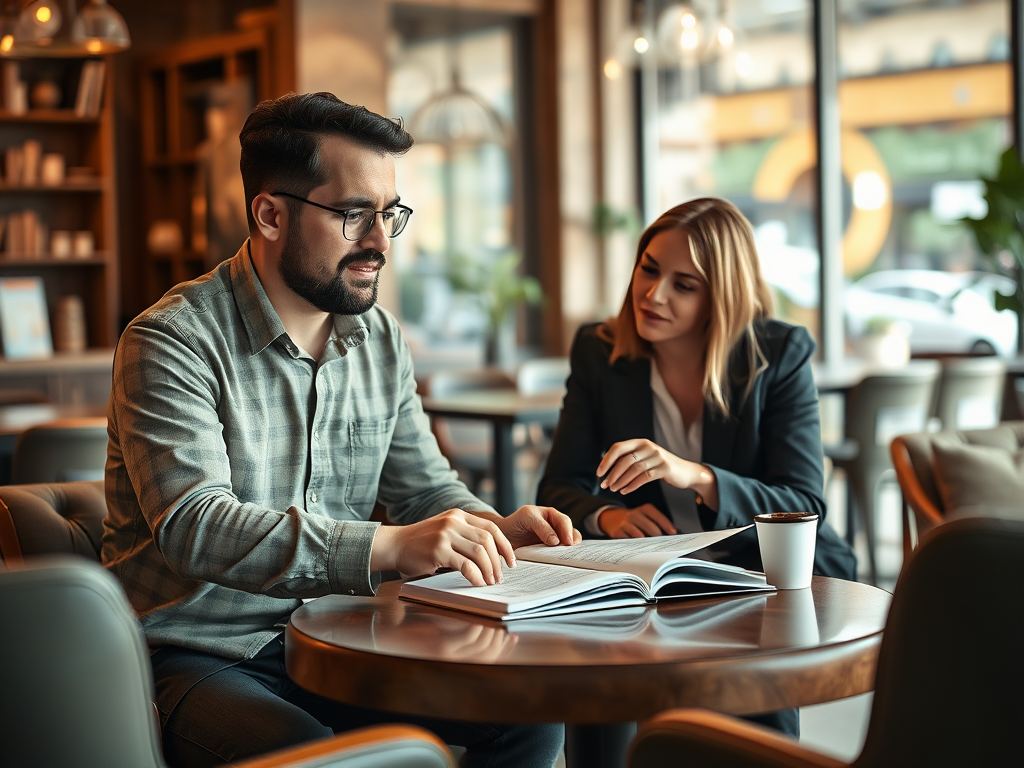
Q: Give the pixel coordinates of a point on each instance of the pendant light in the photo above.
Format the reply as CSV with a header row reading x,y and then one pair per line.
x,y
53,28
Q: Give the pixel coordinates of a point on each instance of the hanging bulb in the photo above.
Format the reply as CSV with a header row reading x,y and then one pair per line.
x,y
100,29
640,45
40,21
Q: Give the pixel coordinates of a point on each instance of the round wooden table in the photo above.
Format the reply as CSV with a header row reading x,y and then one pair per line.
x,y
738,655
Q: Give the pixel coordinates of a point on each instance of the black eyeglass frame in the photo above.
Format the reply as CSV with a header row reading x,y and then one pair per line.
x,y
343,211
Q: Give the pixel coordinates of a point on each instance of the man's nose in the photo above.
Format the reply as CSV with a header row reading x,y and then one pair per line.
x,y
376,238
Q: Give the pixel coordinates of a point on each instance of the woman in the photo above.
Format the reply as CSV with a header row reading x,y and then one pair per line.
x,y
693,409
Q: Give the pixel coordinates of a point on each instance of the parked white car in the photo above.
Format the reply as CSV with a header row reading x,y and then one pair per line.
x,y
945,311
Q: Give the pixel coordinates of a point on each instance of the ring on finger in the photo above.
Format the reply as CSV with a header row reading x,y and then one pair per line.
x,y
635,459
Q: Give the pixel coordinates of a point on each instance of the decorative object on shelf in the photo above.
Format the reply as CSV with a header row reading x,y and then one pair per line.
x,y
26,237
44,29
69,325
45,94
51,173
999,234
14,88
84,244
80,174
60,244
24,322
164,236
90,88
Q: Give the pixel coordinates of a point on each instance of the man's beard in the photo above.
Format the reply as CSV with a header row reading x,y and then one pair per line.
x,y
328,293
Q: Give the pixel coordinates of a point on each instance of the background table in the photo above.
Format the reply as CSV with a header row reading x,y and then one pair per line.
x,y
738,655
503,409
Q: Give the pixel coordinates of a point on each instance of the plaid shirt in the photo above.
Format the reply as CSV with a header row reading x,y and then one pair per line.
x,y
241,472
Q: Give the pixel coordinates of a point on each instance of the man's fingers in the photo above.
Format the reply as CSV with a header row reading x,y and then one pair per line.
x,y
501,543
645,524
477,554
468,569
561,524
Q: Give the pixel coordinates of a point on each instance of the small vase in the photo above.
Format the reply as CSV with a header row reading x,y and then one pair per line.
x,y
500,346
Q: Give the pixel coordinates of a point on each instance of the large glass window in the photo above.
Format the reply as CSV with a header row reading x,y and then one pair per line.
x,y
734,119
451,80
925,102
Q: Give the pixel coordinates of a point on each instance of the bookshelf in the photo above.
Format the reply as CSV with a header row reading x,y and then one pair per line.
x,y
177,85
78,204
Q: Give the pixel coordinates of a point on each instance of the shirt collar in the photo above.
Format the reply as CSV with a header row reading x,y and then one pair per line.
x,y
262,323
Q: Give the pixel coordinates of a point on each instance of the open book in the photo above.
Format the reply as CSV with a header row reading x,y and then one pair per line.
x,y
592,575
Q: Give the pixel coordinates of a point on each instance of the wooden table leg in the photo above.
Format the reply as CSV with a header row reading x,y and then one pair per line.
x,y
504,469
598,746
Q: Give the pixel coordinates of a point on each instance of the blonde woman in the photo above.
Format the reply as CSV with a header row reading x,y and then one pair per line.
x,y
692,409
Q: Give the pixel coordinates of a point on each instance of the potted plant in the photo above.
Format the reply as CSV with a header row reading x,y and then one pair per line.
x,y
999,234
499,288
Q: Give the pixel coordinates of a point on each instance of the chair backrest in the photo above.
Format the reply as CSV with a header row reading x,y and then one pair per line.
x,y
950,670
61,451
54,519
542,374
970,392
913,459
460,438
887,404
77,686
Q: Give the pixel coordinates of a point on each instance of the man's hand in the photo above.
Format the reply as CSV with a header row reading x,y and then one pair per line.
x,y
636,523
455,539
537,525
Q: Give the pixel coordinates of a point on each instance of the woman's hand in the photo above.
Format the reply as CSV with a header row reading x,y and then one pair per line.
x,y
645,520
633,463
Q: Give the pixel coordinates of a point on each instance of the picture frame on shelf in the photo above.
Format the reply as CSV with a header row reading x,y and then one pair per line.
x,y
24,319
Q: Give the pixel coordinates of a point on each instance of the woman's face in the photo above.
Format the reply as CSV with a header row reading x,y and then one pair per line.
x,y
670,298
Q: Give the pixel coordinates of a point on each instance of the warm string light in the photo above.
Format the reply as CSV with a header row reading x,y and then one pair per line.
x,y
612,69
640,45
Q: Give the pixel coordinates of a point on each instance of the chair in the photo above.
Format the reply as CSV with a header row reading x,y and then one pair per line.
x,y
880,407
969,394
534,377
54,519
949,675
468,445
77,686
913,460
61,451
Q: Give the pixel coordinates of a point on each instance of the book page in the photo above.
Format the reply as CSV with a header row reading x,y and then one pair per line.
x,y
641,557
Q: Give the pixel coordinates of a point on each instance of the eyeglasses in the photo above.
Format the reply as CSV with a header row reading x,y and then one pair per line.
x,y
359,221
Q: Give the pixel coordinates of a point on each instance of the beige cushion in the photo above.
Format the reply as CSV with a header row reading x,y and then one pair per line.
x,y
978,476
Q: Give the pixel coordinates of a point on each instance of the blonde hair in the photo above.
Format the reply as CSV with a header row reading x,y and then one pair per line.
x,y
723,251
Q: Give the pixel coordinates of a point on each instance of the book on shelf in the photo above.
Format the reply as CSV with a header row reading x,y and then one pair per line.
x,y
90,88
593,575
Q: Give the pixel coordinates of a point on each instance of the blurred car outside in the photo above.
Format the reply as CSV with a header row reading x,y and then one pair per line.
x,y
945,311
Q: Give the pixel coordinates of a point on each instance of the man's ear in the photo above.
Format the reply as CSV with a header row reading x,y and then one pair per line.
x,y
271,215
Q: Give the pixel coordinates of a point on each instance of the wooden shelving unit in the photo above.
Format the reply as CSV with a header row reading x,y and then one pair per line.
x,y
84,141
175,85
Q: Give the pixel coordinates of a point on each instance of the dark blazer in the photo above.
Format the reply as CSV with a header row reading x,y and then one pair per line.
x,y
766,456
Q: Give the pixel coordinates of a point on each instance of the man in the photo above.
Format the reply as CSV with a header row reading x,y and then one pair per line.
x,y
257,414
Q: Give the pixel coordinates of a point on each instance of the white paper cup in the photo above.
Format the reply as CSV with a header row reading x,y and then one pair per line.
x,y
787,540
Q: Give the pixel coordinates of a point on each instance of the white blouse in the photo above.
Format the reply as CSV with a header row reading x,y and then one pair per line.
x,y
685,442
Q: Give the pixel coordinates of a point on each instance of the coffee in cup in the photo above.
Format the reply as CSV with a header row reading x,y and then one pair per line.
x,y
786,540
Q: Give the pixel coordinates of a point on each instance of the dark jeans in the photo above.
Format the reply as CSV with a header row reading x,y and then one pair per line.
x,y
252,707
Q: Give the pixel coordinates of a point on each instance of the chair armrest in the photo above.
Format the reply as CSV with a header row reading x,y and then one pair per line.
x,y
913,493
708,738
384,746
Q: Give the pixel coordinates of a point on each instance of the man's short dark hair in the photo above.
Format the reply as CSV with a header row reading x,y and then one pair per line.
x,y
281,141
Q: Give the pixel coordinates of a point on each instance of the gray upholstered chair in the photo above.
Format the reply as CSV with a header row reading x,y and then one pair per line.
x,y
77,686
915,461
948,681
880,407
61,451
969,394
51,519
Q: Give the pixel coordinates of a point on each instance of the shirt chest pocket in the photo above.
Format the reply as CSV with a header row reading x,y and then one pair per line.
x,y
368,448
